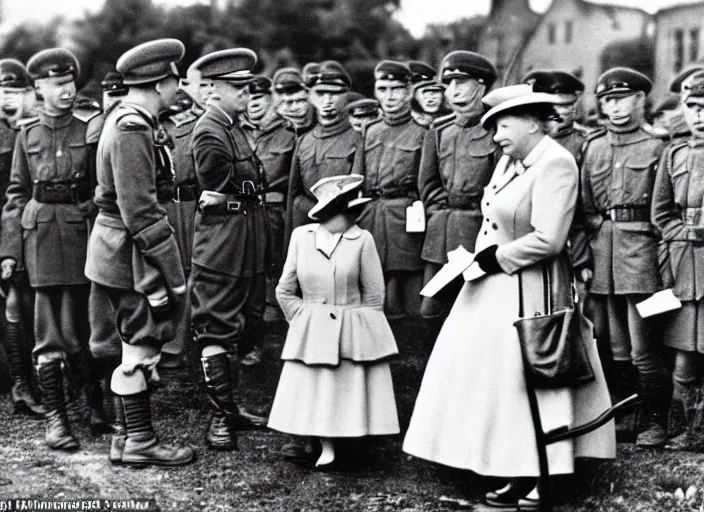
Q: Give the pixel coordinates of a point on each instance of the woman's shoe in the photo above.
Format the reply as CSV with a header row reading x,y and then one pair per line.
x,y
529,504
509,495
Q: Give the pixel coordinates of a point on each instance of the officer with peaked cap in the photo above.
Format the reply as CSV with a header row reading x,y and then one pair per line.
x,y
361,111
568,88
388,159
16,85
291,99
458,160
113,89
45,222
615,252
428,102
328,149
133,255
229,249
309,71
260,102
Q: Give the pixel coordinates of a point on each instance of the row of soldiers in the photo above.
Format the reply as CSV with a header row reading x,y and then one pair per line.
x,y
174,220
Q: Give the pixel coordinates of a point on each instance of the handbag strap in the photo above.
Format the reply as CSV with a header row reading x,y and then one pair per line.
x,y
547,292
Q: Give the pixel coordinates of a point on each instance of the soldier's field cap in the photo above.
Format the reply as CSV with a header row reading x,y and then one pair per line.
x,y
392,70
309,70
465,64
622,82
113,84
669,103
52,62
260,85
288,81
693,85
364,107
676,84
423,76
150,61
567,86
14,75
234,65
505,99
331,76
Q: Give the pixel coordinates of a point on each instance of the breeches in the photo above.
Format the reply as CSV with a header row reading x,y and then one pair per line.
x,y
688,367
61,319
104,339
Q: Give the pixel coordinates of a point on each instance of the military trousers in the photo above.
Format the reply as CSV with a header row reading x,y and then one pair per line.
x,y
19,300
689,368
61,320
402,293
227,311
104,339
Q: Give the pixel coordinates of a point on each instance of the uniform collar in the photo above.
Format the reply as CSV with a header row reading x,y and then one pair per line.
x,y
220,115
352,233
323,132
627,138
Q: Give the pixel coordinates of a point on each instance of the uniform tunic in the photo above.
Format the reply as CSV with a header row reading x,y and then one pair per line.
x,y
472,410
388,158
229,249
51,237
572,140
320,153
678,199
336,380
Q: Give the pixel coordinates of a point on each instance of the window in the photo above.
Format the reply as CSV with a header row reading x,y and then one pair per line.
x,y
694,45
679,49
568,31
551,33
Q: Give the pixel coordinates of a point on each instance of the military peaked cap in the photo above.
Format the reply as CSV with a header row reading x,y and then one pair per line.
x,y
676,84
309,70
392,70
464,64
288,80
234,65
14,74
260,85
423,76
52,62
364,107
622,82
150,61
331,74
113,84
554,81
693,85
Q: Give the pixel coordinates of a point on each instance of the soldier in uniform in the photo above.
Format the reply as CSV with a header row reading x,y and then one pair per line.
x,y
328,149
113,89
428,102
291,100
568,88
620,262
678,197
458,160
133,255
16,86
228,294
362,111
45,225
388,157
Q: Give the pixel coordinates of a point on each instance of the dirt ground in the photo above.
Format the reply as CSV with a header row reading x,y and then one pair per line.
x,y
378,477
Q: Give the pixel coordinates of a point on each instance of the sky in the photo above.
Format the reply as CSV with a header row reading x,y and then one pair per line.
x,y
414,14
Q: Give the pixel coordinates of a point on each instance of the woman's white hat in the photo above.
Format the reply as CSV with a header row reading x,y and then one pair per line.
x,y
512,96
330,189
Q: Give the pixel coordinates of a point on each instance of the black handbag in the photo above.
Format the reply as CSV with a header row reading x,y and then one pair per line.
x,y
554,344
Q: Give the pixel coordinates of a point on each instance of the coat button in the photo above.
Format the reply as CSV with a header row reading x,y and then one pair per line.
x,y
324,301
494,226
485,232
332,315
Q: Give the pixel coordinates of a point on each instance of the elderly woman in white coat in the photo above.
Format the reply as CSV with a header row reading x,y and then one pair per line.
x,y
472,411
336,380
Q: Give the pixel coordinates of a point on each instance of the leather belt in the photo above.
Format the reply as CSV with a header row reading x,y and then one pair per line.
x,y
692,216
186,191
462,202
234,204
275,197
627,213
393,193
57,192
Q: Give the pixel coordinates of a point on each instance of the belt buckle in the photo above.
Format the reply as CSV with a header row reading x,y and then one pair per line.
x,y
248,184
177,194
234,206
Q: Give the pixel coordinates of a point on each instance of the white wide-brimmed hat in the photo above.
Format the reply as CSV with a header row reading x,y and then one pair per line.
x,y
328,190
512,96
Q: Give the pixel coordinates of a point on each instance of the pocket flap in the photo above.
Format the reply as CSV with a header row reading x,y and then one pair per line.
x,y
482,147
641,162
341,152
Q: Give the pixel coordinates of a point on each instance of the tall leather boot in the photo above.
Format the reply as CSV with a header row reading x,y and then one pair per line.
x,y
623,382
119,431
142,447
58,431
19,364
656,391
689,396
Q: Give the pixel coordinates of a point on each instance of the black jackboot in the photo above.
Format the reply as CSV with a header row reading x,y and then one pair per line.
x,y
58,431
142,448
692,439
656,392
119,431
220,384
18,360
623,382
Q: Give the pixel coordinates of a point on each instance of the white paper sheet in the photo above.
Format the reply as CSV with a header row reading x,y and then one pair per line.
x,y
458,261
657,303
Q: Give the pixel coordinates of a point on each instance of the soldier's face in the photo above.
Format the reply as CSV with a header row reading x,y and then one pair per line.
x,y
58,92
564,117
513,134
258,106
294,106
621,110
693,110
430,99
359,122
465,95
328,104
12,103
393,95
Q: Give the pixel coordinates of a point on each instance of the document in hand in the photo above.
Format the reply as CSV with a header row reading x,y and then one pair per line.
x,y
457,262
657,303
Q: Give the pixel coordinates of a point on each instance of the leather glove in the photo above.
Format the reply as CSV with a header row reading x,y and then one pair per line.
x,y
486,259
